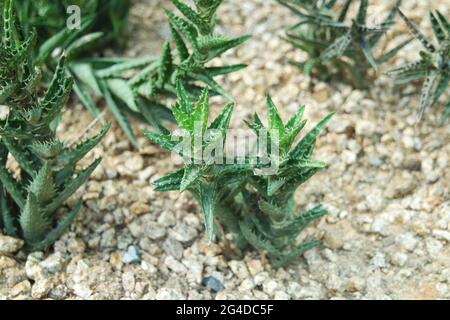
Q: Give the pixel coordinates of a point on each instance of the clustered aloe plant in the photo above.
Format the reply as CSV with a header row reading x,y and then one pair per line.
x,y
140,86
258,209
335,45
46,177
434,63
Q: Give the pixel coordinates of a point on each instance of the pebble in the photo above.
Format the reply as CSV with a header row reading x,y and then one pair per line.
x,y
173,248
400,186
239,268
169,294
10,244
139,208
134,163
399,259
53,264
128,281
41,288
355,284
442,234
365,128
281,295
183,233
213,284
131,256
175,265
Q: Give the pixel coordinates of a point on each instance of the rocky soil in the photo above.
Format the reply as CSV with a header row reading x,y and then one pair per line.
x,y
387,235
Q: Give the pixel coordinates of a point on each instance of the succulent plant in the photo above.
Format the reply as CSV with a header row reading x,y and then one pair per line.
x,y
337,46
141,86
45,177
259,209
433,66
50,19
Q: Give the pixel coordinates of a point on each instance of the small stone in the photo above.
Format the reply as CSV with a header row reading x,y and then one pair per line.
x,y
412,163
281,295
82,291
33,267
255,267
173,248
59,292
376,162
155,231
400,186
53,264
76,246
131,256
23,287
334,282
365,128
169,294
378,260
10,244
321,95
270,287
239,269
6,262
340,126
355,284
349,157
139,208
399,259
167,219
134,163
115,259
148,267
183,232
195,270
247,285
338,234
213,284
128,281
175,265
407,241
108,239
41,288
146,174
442,234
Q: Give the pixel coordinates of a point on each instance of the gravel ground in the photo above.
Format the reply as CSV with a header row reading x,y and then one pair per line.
x,y
387,235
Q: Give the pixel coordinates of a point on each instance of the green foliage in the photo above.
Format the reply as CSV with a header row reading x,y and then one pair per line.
x,y
102,23
335,45
49,18
141,86
46,175
258,209
434,63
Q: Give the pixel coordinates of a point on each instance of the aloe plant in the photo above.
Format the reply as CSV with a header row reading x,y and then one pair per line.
x,y
335,45
50,19
141,86
433,66
258,209
31,196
